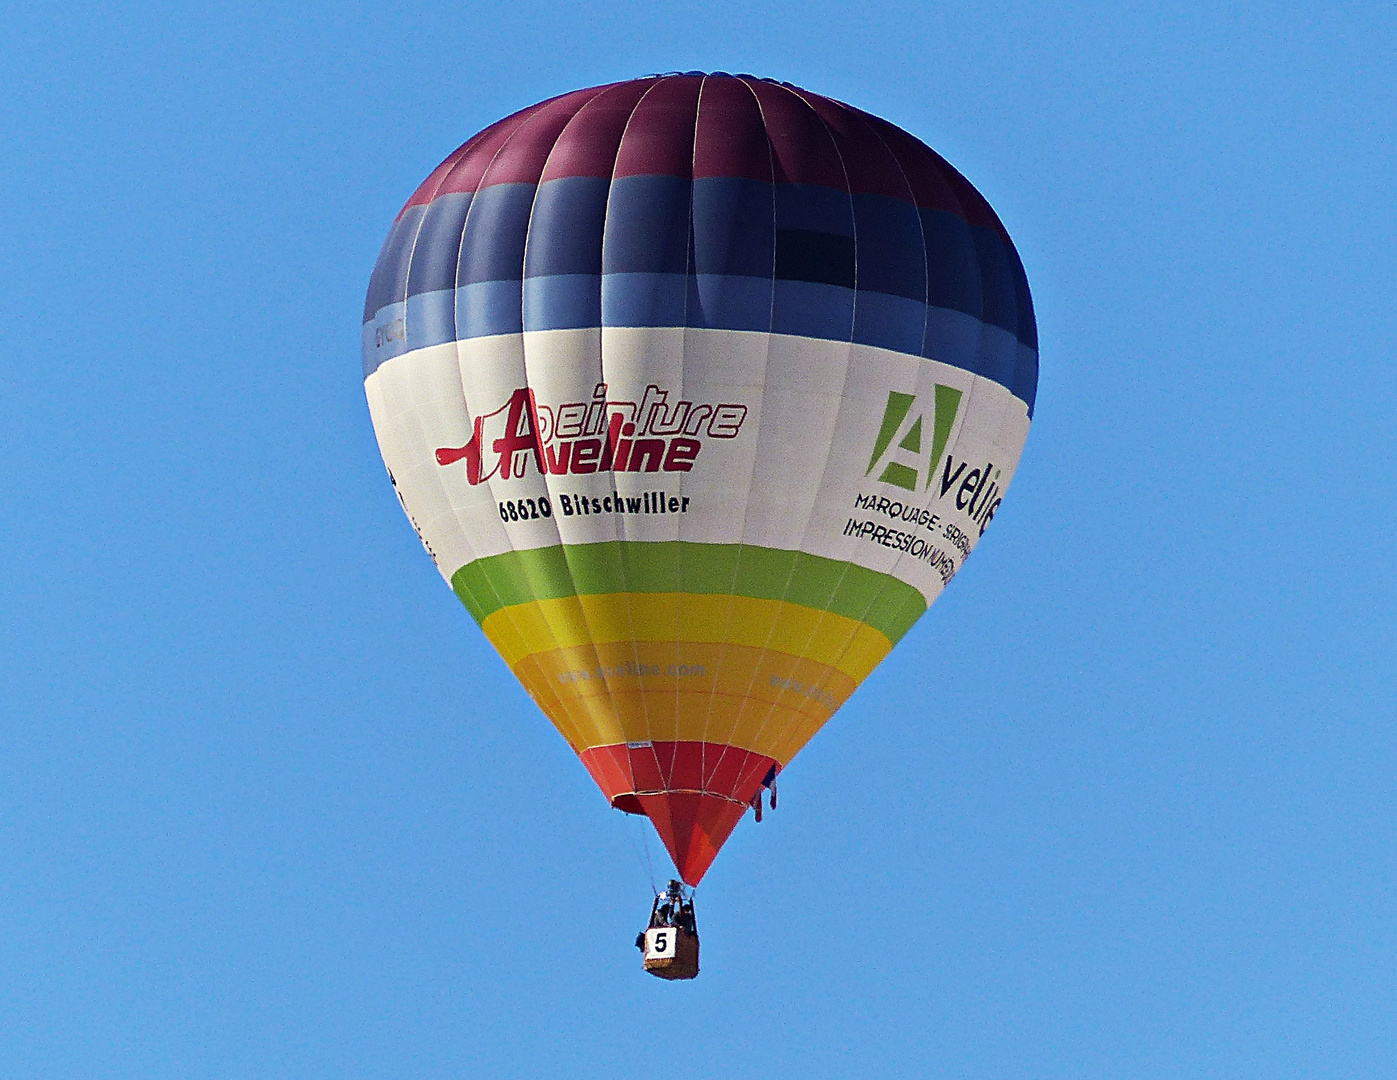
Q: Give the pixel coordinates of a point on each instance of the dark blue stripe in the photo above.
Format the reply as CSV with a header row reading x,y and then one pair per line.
x,y
815,246
438,245
953,278
814,209
492,248
734,229
647,226
746,228
565,235
388,283
806,255
891,258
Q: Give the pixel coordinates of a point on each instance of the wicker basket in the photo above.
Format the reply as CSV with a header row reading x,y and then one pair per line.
x,y
671,952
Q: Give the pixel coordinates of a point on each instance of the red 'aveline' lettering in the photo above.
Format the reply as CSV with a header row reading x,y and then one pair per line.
x,y
518,436
620,447
448,455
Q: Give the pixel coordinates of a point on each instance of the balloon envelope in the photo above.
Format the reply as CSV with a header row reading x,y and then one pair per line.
x,y
698,390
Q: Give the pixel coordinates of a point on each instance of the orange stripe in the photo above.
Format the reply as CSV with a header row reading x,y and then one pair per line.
x,y
767,702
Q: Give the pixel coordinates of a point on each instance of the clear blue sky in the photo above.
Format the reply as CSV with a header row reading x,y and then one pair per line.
x,y
271,807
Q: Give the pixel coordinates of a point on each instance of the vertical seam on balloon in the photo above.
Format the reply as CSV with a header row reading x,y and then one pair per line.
x,y
955,181
480,184
953,442
941,165
611,713
1001,236
621,551
620,547
566,549
601,364
886,582
898,559
829,453
459,154
524,352
861,117
466,534
740,545
459,343
853,322
689,257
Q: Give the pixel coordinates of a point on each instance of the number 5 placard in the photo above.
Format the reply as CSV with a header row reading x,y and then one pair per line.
x,y
660,942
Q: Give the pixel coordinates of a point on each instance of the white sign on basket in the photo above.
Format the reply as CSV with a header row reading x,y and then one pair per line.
x,y
660,942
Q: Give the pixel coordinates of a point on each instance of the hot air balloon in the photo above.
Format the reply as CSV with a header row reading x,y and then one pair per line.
x,y
698,389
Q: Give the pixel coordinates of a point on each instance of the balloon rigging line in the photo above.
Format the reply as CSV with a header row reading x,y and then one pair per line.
x,y
630,829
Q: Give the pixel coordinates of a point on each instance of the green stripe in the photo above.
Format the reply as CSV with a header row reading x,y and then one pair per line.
x,y
520,577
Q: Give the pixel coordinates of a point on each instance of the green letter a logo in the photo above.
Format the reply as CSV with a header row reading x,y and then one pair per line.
x,y
901,438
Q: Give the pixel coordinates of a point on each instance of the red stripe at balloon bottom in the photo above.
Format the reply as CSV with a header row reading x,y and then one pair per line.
x,y
694,793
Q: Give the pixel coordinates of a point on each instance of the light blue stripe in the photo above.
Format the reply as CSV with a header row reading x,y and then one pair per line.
x,y
385,336
643,299
431,319
730,302
562,301
953,337
812,309
890,322
963,341
426,319
488,308
721,302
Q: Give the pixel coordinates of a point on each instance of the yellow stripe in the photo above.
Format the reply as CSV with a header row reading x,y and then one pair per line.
x,y
571,622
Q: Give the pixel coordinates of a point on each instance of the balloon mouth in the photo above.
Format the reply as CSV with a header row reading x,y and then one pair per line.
x,y
629,804
694,793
